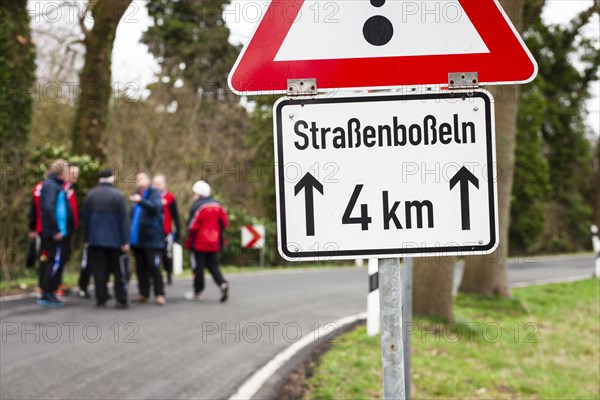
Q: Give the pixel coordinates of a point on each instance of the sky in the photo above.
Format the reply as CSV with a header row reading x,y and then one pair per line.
x,y
132,63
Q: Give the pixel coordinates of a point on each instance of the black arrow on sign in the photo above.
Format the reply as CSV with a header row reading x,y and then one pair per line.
x,y
308,183
464,176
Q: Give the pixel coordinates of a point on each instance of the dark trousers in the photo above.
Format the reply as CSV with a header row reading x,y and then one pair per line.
x,y
210,261
147,268
85,272
167,256
85,275
52,259
104,262
67,249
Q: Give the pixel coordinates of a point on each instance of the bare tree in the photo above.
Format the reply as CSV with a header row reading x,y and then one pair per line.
x,y
91,116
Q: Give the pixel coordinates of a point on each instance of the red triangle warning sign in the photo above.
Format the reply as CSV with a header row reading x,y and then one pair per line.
x,y
372,44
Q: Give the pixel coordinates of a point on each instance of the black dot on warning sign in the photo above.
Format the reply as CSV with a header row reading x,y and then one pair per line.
x,y
377,3
378,30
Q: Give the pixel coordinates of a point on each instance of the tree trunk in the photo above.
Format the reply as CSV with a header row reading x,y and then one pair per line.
x,y
17,79
91,117
432,287
487,275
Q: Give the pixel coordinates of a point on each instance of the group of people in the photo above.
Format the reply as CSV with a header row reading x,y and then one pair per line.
x,y
112,230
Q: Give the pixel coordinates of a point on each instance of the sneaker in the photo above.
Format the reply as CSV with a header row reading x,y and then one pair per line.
x,y
139,299
63,291
160,300
50,300
169,280
224,293
197,297
84,294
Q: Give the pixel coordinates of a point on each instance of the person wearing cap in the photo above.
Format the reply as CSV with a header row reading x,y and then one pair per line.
x,y
106,230
171,217
147,239
207,222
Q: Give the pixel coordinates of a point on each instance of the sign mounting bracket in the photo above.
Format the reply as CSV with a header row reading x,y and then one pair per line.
x,y
463,80
302,87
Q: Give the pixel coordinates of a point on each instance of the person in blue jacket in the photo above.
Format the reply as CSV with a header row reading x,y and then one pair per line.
x,y
57,224
147,239
106,229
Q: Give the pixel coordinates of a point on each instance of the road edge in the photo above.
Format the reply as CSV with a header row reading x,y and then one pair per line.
x,y
256,381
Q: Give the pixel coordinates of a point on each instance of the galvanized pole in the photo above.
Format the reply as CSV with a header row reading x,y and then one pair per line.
x,y
407,318
392,347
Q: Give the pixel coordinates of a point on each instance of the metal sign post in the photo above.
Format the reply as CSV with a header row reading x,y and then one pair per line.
x,y
407,319
392,346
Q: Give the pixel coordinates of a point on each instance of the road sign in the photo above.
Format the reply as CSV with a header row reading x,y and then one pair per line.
x,y
386,175
253,236
380,44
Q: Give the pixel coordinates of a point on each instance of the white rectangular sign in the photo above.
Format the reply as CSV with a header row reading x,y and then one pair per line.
x,y
386,175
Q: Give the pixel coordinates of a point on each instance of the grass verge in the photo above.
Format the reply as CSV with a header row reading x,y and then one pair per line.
x,y
544,343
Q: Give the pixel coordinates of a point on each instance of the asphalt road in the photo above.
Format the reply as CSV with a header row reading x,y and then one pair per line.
x,y
188,350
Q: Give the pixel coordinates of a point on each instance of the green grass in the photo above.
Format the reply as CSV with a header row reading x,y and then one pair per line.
x,y
549,348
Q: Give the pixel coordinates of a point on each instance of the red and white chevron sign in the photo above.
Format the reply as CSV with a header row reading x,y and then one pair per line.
x,y
253,236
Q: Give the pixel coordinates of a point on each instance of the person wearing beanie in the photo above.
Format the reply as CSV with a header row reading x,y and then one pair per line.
x,y
106,229
207,222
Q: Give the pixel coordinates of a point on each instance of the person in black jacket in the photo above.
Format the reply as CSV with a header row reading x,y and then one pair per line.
x,y
106,228
147,239
57,224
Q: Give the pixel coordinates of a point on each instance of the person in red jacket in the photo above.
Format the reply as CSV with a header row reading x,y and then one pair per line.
x,y
207,222
68,241
171,216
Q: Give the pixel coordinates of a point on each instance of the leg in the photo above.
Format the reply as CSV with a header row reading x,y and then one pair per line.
x,y
50,263
66,244
215,271
118,269
167,258
98,263
84,272
41,268
155,273
200,262
212,263
141,269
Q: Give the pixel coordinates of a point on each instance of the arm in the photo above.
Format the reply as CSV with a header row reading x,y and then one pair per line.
x,y
175,217
86,219
193,227
32,216
224,218
153,203
124,218
48,205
